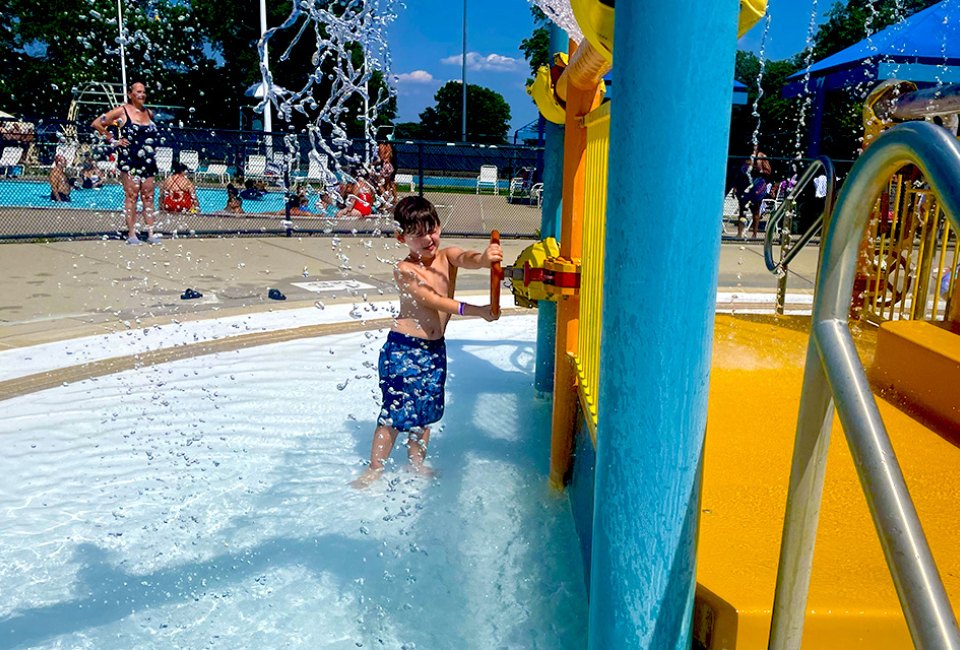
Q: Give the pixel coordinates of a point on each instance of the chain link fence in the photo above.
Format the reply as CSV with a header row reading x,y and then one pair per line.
x,y
476,188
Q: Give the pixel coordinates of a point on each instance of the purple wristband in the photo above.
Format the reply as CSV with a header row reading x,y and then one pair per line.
x,y
460,310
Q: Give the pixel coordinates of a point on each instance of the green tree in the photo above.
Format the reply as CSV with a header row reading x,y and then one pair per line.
x,y
408,131
783,123
536,48
488,115
777,119
56,46
233,34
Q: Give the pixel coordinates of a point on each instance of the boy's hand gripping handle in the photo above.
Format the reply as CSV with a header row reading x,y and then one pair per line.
x,y
496,277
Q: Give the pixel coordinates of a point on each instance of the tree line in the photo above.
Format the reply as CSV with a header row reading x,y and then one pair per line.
x,y
198,58
778,122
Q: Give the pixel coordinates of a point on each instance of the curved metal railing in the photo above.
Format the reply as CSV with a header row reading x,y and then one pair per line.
x,y
834,377
782,215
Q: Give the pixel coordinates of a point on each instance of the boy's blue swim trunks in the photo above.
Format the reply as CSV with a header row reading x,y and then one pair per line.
x,y
412,374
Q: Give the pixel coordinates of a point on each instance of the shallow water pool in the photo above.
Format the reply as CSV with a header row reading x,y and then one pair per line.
x,y
204,504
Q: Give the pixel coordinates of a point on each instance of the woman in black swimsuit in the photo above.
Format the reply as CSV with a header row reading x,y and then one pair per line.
x,y
135,157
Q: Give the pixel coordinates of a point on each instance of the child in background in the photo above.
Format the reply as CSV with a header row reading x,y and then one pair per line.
x,y
413,361
234,202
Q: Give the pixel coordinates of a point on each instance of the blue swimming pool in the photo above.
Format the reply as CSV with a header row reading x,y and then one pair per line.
x,y
36,194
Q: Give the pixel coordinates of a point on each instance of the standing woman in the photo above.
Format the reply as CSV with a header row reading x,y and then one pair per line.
x,y
135,159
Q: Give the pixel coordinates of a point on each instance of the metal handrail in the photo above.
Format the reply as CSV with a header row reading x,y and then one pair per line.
x,y
788,252
834,374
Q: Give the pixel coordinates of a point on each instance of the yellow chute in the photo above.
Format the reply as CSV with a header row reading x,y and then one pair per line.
x,y
542,90
595,18
751,11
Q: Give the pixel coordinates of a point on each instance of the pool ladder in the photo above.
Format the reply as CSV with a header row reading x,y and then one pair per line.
x,y
835,378
780,222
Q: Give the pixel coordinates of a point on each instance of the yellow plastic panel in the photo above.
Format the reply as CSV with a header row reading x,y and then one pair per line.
x,y
751,11
591,267
920,363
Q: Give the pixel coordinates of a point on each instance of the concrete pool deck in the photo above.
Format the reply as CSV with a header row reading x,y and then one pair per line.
x,y
65,289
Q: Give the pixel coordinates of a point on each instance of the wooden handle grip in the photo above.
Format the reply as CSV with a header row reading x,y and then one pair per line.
x,y
496,277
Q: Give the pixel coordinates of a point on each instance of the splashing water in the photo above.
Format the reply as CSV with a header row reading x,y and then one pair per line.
x,y
360,28
755,137
559,12
805,107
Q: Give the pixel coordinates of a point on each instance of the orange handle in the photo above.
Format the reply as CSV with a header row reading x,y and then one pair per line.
x,y
496,276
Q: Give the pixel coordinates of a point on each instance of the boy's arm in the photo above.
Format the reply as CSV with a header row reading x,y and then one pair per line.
x,y
475,259
411,284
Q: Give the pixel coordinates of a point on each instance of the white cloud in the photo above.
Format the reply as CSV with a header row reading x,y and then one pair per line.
x,y
416,77
476,61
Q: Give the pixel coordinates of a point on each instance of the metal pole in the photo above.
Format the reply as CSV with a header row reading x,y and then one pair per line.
x,y
267,109
463,76
123,56
655,351
550,227
832,363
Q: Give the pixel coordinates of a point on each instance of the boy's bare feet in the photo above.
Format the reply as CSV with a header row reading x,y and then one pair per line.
x,y
422,470
368,478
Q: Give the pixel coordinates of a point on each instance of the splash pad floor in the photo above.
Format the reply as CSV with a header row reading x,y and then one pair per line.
x,y
755,383
204,503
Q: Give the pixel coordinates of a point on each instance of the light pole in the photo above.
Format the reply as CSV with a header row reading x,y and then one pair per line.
x,y
267,110
463,75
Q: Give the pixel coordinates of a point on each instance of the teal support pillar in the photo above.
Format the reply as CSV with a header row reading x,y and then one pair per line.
x,y
673,74
550,227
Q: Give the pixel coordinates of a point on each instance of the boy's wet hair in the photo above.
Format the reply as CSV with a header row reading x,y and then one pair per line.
x,y
415,215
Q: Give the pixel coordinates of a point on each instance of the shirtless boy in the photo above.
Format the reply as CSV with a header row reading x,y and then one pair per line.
x,y
413,361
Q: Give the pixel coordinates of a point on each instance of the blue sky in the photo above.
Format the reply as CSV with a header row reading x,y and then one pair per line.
x,y
789,24
426,43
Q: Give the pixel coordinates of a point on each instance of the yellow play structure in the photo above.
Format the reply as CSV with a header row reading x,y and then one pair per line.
x,y
753,590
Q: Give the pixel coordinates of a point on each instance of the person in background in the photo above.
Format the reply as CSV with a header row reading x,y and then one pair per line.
x,y
386,175
178,191
299,202
328,204
136,160
754,195
60,185
89,174
359,199
234,202
251,192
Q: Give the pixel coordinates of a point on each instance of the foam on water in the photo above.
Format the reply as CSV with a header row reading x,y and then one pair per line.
x,y
204,503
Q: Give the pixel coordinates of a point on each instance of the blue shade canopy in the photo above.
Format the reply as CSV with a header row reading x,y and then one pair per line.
x,y
921,48
739,93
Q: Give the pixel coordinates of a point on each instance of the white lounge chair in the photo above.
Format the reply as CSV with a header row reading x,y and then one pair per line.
x,y
521,184
731,212
280,161
406,179
190,159
10,158
67,149
488,178
164,158
536,193
217,170
256,166
316,167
